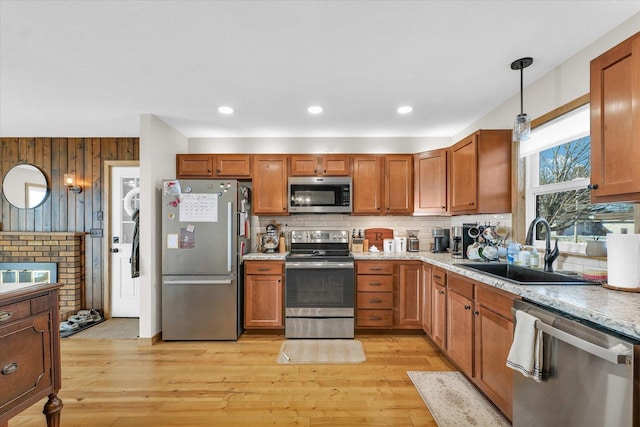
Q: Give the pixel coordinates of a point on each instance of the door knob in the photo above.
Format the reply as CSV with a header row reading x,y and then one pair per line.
x,y
114,250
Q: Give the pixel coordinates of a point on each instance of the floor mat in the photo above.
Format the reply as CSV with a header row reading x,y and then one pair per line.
x,y
65,334
321,351
453,401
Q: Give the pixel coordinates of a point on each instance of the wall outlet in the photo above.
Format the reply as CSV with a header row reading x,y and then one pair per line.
x,y
96,232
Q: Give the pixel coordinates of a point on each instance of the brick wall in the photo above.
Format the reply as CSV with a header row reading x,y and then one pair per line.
x,y
65,249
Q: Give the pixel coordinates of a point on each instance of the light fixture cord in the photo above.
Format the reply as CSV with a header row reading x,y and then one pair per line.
x,y
521,88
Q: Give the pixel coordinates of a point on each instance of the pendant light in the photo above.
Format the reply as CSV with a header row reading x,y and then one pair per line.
x,y
522,123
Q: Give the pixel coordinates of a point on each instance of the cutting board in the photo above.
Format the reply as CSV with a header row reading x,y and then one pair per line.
x,y
377,235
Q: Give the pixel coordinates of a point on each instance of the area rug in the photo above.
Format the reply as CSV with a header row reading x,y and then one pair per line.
x,y
114,328
453,401
84,326
321,351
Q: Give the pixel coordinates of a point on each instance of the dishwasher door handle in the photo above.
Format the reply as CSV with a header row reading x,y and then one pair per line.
x,y
199,282
591,348
596,350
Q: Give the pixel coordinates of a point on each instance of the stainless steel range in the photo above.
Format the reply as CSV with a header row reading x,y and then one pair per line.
x,y
319,285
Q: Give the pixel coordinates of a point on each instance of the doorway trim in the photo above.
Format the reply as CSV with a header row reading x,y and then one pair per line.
x,y
106,210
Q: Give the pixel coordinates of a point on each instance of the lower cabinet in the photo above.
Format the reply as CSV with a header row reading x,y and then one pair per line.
x,y
426,298
264,295
439,307
388,295
460,308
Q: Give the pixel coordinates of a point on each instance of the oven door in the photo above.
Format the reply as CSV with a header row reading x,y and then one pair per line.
x,y
319,289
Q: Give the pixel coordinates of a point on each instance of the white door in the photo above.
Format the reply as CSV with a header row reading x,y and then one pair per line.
x,y
125,200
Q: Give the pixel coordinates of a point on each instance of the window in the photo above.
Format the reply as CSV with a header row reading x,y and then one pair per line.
x,y
558,170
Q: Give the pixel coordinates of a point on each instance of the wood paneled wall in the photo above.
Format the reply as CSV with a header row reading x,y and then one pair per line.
x,y
64,210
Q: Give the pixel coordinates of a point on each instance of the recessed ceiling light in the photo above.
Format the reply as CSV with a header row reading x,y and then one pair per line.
x,y
225,110
315,109
405,109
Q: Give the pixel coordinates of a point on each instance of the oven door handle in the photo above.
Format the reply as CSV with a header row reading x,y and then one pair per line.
x,y
318,265
584,345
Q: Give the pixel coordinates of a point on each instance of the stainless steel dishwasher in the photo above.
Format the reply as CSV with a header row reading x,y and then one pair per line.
x,y
590,376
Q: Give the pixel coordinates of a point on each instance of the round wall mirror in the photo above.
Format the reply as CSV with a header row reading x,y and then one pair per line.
x,y
25,186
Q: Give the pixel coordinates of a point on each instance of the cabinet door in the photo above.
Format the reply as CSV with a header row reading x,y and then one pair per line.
x,y
233,165
439,316
367,185
464,177
460,331
335,164
426,298
430,182
615,123
263,301
270,184
304,165
194,166
494,171
494,335
409,301
398,193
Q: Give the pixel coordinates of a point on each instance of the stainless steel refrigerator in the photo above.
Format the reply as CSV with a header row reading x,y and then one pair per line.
x,y
205,232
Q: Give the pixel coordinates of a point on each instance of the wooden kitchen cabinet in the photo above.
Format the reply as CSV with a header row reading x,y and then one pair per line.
x,y
426,298
213,166
270,184
615,123
264,295
460,322
409,289
383,185
430,182
439,307
320,165
480,173
374,294
30,351
493,337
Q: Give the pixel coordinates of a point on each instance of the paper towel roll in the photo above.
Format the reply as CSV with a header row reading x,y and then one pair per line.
x,y
623,255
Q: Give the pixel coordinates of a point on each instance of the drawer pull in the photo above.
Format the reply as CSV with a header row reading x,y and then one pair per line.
x,y
435,276
375,318
375,284
9,368
5,315
375,269
375,300
263,269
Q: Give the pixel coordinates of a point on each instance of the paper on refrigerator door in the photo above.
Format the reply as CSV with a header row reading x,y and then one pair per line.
x,y
199,207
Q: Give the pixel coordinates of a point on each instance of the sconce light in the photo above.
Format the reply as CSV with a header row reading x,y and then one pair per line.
x,y
522,123
70,181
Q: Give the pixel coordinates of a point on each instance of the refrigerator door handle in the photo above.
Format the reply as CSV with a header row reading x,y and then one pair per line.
x,y
199,282
230,236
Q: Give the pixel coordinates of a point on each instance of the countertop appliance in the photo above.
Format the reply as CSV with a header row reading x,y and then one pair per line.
x,y
440,239
590,375
413,243
467,240
319,285
456,247
320,194
205,232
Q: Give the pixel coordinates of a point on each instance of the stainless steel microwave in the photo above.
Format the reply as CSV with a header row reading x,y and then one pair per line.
x,y
320,195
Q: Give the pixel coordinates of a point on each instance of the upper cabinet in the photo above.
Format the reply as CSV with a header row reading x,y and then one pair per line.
x,y
430,183
480,173
383,185
213,166
615,123
270,184
320,165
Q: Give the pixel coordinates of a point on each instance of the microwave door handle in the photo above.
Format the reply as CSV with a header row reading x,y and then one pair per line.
x,y
229,236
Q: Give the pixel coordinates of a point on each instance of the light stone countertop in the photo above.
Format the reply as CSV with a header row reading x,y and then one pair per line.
x,y
615,310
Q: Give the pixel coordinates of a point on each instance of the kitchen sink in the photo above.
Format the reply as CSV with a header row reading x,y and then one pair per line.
x,y
525,276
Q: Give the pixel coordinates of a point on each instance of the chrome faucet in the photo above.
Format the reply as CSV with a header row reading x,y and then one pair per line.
x,y
549,255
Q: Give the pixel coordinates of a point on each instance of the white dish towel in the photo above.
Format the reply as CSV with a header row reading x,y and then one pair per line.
x,y
525,355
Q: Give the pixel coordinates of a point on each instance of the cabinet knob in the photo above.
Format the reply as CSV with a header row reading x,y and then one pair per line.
x,y
209,170
443,207
217,170
467,307
592,186
9,368
441,292
476,312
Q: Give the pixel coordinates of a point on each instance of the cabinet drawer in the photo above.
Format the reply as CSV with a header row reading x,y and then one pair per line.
x,y
15,311
375,300
375,318
495,301
374,268
26,359
460,286
263,267
375,283
439,277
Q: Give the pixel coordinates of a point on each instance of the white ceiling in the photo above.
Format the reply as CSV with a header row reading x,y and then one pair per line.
x,y
90,68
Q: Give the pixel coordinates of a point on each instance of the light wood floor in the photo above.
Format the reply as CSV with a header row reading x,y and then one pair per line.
x,y
121,383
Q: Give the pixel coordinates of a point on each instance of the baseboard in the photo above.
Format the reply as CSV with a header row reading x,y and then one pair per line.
x,y
150,341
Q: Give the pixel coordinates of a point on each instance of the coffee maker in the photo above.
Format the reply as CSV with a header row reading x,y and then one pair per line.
x,y
467,240
440,239
456,247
